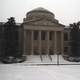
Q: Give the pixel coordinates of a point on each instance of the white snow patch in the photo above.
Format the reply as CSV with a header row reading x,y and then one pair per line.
x,y
28,71
17,72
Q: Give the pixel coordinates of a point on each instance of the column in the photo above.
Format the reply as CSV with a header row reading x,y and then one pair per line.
x,y
62,42
55,43
47,42
21,40
32,42
39,39
69,40
24,42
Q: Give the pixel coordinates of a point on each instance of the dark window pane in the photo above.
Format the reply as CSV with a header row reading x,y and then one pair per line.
x,y
65,36
50,36
70,36
43,34
65,49
35,35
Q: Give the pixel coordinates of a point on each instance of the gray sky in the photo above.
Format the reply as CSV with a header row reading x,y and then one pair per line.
x,y
66,11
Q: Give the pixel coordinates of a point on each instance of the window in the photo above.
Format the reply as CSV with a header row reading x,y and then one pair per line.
x,y
65,49
65,36
43,34
35,35
50,37
70,36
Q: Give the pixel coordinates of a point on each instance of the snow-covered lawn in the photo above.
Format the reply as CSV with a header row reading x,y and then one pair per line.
x,y
53,72
29,70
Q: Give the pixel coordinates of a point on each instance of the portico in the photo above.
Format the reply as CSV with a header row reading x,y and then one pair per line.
x,y
40,46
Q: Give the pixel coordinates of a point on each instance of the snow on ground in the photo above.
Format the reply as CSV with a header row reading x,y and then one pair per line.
x,y
29,70
35,59
53,72
62,61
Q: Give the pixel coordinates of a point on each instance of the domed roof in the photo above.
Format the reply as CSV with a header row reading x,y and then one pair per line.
x,y
40,13
40,9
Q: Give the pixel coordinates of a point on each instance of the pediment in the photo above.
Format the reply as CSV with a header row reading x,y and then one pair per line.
x,y
41,22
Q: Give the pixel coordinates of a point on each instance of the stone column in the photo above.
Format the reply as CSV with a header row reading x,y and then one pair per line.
x,y
62,42
69,40
21,40
39,39
47,42
55,42
24,42
32,42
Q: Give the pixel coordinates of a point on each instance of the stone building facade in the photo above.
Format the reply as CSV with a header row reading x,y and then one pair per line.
x,y
40,33
43,34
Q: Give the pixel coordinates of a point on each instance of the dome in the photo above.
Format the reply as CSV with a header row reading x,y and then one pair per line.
x,y
39,13
40,9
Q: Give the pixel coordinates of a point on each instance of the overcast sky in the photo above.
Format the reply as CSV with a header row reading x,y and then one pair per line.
x,y
66,11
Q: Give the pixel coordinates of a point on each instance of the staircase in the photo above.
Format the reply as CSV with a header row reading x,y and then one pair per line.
x,y
41,59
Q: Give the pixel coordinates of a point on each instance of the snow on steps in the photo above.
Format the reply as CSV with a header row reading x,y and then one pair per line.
x,y
45,60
